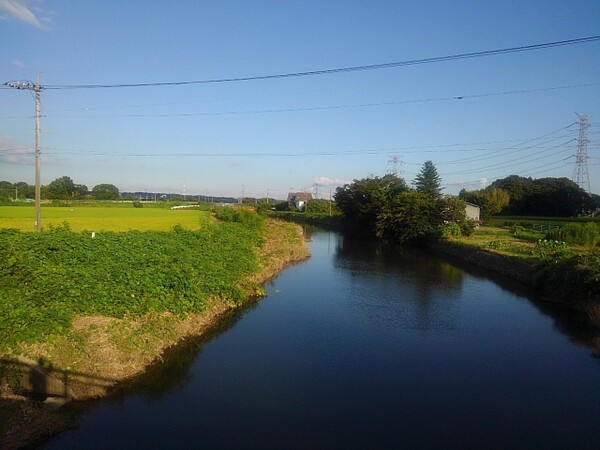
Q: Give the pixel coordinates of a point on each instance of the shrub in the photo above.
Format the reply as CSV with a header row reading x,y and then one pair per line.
x,y
467,227
451,230
516,230
585,234
239,215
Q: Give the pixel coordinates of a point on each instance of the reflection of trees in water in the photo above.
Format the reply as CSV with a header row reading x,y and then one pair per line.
x,y
424,291
572,324
426,275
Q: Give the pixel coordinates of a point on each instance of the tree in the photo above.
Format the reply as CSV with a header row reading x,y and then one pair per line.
x,y
408,216
105,192
428,181
25,190
64,188
497,200
362,201
558,197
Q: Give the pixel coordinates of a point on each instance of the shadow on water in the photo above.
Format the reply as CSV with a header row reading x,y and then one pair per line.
x,y
41,381
172,372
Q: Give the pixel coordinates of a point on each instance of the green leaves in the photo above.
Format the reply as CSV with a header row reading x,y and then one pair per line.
x,y
47,278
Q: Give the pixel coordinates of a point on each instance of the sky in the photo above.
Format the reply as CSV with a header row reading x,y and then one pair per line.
x,y
478,119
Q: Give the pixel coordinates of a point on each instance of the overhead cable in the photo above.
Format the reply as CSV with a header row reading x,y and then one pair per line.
x,y
389,65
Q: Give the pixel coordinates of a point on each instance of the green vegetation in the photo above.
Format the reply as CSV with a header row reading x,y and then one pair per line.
x,y
114,217
47,279
558,197
386,208
565,252
584,234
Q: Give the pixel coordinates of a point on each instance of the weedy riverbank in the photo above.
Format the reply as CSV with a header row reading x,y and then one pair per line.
x,y
104,308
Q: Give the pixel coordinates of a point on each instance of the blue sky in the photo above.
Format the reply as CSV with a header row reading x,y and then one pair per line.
x,y
516,114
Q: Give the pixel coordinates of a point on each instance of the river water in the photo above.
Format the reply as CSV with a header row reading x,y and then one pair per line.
x,y
362,347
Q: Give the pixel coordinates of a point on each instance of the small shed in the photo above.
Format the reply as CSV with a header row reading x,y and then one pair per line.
x,y
472,212
299,199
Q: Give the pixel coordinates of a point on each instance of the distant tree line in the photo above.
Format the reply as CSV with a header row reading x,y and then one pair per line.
x,y
515,195
63,188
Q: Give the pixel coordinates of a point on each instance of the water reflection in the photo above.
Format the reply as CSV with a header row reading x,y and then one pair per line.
x,y
173,372
418,291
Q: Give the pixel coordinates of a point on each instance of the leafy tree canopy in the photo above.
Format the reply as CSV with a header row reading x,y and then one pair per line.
x,y
558,197
105,192
64,188
362,200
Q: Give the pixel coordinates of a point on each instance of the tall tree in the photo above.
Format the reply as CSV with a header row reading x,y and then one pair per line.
x,y
428,181
64,188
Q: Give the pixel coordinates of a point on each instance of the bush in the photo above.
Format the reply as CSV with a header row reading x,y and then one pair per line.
x,y
579,274
451,230
584,234
467,227
516,230
138,204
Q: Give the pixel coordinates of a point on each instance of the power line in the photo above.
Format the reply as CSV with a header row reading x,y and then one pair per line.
x,y
389,65
317,108
439,148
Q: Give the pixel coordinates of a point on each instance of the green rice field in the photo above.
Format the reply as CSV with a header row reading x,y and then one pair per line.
x,y
81,218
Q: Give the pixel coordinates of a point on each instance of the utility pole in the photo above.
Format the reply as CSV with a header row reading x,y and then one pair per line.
x,y
581,176
36,88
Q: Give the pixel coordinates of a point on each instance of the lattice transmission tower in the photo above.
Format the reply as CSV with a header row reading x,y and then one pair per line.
x,y
581,176
395,162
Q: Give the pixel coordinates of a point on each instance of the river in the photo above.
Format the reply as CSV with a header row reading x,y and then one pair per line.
x,y
363,347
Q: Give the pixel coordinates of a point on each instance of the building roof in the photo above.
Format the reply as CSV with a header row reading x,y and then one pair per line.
x,y
299,196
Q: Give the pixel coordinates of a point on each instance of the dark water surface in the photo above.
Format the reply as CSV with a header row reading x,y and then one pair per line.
x,y
363,348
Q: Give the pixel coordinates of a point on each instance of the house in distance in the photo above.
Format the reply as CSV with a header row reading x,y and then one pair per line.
x,y
299,200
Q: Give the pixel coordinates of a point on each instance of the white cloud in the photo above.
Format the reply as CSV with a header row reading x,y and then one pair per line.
x,y
483,182
20,11
326,181
17,63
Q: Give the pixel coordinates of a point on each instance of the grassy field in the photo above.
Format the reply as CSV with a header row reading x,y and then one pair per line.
x,y
83,218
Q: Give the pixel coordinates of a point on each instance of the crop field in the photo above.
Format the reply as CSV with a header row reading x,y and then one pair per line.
x,y
81,218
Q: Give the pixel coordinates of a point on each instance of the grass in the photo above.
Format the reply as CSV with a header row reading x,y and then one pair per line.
x,y
571,269
528,221
85,218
